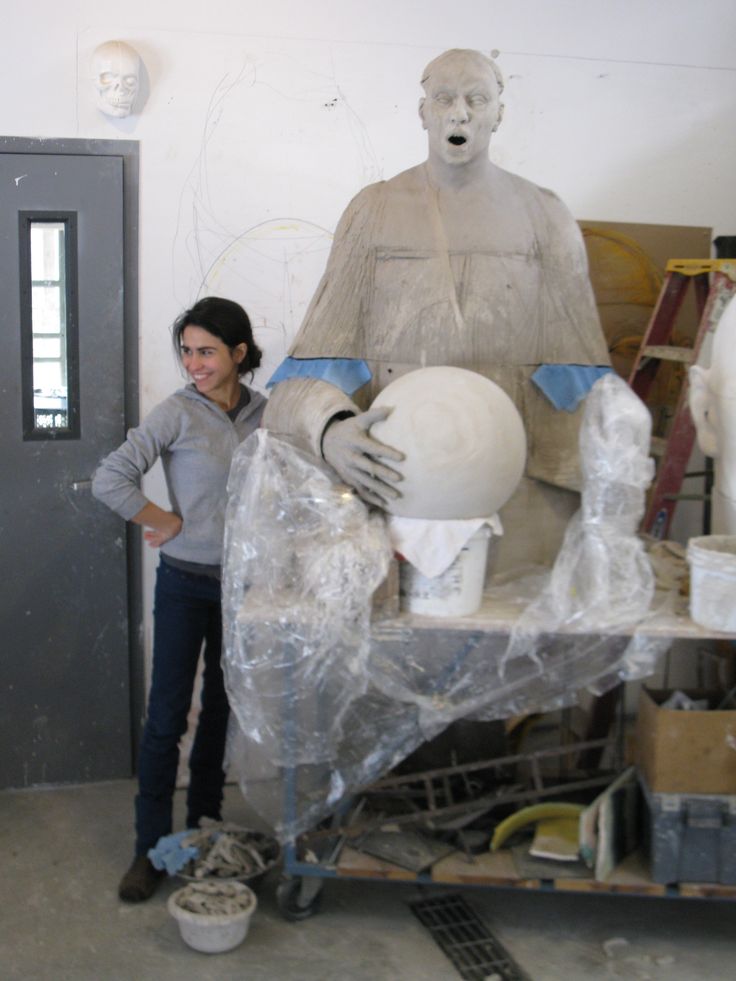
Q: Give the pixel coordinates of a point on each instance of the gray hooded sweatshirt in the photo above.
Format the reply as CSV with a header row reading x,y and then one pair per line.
x,y
195,440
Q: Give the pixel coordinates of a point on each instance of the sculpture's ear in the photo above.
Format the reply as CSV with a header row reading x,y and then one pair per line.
x,y
702,408
499,116
421,112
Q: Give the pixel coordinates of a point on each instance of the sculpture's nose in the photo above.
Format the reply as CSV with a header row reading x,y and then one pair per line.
x,y
459,112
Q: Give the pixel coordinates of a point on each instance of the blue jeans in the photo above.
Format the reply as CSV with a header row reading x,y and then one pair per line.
x,y
186,613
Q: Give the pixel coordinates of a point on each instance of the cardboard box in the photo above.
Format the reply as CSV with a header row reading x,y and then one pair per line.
x,y
686,752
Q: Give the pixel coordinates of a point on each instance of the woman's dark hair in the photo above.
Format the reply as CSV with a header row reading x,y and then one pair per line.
x,y
224,319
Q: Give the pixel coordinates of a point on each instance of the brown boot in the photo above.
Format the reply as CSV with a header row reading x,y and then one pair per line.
x,y
140,881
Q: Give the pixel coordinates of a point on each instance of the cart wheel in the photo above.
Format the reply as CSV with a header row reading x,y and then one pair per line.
x,y
298,898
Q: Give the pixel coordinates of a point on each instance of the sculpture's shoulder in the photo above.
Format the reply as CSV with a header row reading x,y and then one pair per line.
x,y
413,179
368,211
360,215
555,229
408,182
367,195
535,194
363,209
555,207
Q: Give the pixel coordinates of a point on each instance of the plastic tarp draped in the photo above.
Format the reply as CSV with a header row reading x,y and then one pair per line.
x,y
325,701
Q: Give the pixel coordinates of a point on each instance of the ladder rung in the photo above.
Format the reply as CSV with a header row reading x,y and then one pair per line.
x,y
666,352
657,445
697,267
686,497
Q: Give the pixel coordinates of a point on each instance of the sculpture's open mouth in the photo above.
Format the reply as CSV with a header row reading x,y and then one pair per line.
x,y
457,140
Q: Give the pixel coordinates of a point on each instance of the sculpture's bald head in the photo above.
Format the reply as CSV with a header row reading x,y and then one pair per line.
x,y
462,57
462,106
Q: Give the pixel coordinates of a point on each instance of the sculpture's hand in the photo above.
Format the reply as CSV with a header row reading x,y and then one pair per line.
x,y
354,454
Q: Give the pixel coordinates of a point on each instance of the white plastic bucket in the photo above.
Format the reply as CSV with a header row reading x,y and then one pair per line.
x,y
712,560
214,933
456,592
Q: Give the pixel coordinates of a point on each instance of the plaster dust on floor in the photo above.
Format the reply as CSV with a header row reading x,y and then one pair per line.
x,y
65,848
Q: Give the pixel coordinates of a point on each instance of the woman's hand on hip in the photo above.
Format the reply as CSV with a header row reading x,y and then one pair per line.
x,y
156,537
161,526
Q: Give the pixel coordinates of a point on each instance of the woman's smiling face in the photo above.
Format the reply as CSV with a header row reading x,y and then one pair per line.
x,y
210,363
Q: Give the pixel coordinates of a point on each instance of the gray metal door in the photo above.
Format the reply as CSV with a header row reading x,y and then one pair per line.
x,y
64,656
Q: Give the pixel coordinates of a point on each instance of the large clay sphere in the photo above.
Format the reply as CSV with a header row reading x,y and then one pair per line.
x,y
462,438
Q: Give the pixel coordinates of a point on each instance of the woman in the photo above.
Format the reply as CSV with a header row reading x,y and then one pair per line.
x,y
194,432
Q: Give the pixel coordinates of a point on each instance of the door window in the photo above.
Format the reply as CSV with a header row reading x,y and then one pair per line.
x,y
49,351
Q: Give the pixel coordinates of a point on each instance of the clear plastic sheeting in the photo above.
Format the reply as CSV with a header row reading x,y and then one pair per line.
x,y
327,701
302,559
602,578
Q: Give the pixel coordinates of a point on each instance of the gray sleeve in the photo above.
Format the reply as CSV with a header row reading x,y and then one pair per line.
x,y
116,480
302,407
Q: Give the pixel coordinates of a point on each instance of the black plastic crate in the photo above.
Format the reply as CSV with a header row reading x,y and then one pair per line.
x,y
690,837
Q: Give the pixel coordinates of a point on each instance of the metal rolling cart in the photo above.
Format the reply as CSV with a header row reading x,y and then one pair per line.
x,y
325,852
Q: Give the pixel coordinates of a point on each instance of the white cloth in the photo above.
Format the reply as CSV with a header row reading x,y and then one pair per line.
x,y
431,545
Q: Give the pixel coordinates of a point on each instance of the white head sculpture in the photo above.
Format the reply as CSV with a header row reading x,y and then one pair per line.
x,y
116,70
712,397
462,106
463,440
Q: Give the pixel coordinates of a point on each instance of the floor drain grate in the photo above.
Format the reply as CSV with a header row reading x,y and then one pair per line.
x,y
466,940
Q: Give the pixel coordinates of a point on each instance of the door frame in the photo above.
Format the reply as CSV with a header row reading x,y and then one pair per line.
x,y
128,152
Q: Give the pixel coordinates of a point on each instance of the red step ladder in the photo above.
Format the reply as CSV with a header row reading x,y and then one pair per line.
x,y
714,282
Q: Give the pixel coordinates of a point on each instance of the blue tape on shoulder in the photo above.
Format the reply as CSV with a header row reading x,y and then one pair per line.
x,y
566,385
347,374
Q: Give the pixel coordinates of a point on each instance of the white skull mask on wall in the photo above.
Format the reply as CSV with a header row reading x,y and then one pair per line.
x,y
116,69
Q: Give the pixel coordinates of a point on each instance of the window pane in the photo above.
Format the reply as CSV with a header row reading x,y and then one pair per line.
x,y
47,310
46,347
47,383
45,247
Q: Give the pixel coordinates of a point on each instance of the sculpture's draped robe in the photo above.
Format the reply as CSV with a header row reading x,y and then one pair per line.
x,y
511,294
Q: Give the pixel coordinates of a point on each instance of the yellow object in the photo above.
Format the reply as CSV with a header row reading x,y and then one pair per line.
x,y
695,267
530,815
557,838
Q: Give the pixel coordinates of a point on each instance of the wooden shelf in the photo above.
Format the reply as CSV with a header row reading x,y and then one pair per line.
x,y
498,870
669,618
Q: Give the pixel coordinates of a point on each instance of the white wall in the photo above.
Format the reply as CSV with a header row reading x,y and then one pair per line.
x,y
262,120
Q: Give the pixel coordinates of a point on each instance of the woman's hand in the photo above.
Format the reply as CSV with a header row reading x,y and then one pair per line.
x,y
156,537
161,526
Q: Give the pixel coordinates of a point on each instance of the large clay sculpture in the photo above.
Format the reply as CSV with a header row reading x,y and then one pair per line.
x,y
453,262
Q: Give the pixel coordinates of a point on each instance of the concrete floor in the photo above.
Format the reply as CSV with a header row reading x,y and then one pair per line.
x,y
63,851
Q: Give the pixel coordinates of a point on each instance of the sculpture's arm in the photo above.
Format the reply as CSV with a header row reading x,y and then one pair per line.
x,y
573,312
301,408
326,420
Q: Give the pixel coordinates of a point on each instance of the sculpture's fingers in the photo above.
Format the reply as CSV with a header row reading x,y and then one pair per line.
x,y
366,419
373,468
373,485
373,448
